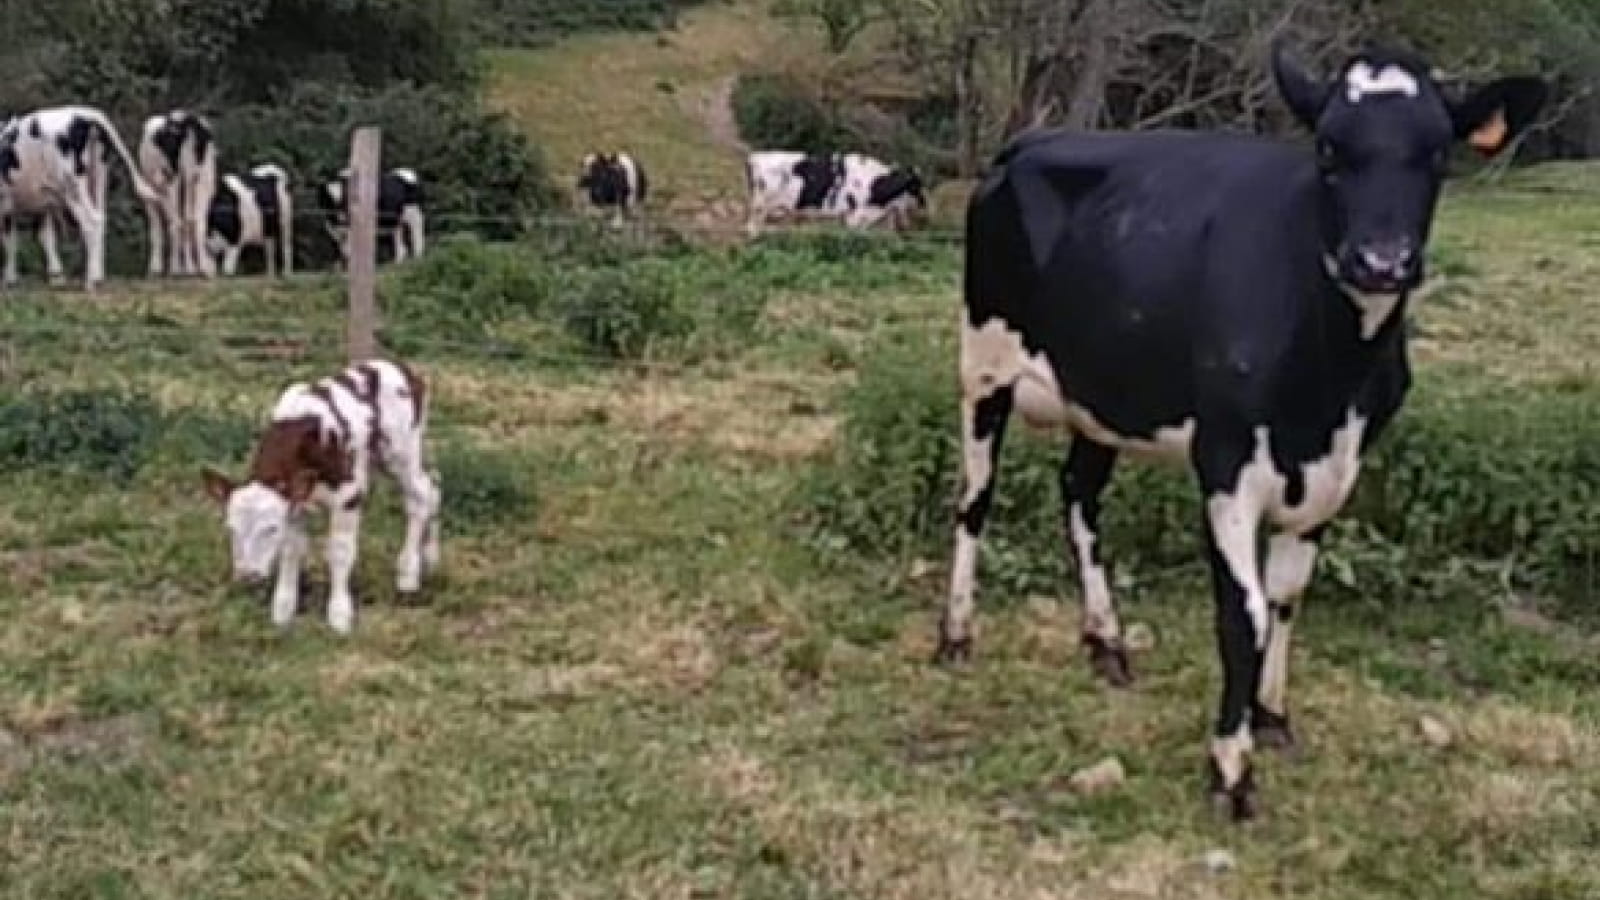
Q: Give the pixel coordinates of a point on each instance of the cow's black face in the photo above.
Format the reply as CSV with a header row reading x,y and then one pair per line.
x,y
1384,131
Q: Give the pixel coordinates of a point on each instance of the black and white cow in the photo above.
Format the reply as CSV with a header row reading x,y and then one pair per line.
x,y
53,161
614,181
1228,301
178,157
253,210
400,211
852,187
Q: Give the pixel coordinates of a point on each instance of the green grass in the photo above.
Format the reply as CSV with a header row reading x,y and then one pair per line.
x,y
633,680
660,97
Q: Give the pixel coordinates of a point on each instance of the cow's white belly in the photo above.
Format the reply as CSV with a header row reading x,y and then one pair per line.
x,y
1328,481
994,354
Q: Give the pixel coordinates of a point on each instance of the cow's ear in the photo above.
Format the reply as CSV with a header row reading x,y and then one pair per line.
x,y
1305,93
1492,116
218,485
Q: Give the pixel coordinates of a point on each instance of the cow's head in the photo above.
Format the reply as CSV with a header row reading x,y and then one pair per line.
x,y
603,178
257,517
902,191
1384,130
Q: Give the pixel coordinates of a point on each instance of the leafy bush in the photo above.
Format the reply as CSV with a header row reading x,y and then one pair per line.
x,y
622,313
106,432
778,112
481,487
1469,478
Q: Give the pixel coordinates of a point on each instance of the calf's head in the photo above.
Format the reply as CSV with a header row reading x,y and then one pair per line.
x,y
257,517
902,192
1383,131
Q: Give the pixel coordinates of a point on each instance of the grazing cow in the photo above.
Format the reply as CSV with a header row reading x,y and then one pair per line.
x,y
614,180
1229,301
399,211
253,210
53,160
318,450
855,188
178,157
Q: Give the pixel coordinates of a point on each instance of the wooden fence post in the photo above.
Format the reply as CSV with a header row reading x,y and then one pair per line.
x,y
362,241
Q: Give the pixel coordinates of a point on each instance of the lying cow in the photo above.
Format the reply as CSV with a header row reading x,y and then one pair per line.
x,y
400,213
852,187
53,161
614,181
318,450
1230,302
253,210
178,157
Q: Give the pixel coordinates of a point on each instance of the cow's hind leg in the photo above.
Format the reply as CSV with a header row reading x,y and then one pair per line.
x,y
1290,560
1236,485
8,238
1083,477
55,272
983,426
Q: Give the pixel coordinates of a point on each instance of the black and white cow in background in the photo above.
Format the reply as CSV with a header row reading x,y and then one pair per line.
x,y
253,210
400,211
614,181
178,157
52,161
1228,301
853,187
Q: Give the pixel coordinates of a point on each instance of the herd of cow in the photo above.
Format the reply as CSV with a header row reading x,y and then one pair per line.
x,y
1232,302
54,163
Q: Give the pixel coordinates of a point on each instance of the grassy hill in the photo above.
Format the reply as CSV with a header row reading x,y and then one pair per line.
x,y
663,97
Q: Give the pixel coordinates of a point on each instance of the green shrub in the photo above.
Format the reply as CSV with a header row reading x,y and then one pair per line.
x,y
482,487
100,432
623,312
1470,478
777,112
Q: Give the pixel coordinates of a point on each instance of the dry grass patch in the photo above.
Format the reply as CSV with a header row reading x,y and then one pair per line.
x,y
1522,736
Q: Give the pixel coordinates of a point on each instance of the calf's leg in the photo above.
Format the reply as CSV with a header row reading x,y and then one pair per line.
x,y
1083,477
286,594
8,236
344,528
55,272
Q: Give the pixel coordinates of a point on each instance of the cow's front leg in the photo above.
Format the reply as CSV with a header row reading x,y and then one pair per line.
x,y
1083,477
1237,484
344,527
157,230
1290,560
286,594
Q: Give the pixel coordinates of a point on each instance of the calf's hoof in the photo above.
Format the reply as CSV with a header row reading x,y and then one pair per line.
x,y
1272,731
1236,802
1109,660
952,651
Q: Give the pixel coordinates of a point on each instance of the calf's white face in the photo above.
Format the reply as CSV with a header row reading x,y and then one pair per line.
x,y
257,518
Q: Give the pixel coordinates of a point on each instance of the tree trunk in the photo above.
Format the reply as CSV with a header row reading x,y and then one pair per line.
x,y
1088,95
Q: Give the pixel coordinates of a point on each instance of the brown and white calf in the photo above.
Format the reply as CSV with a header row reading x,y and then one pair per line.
x,y
318,450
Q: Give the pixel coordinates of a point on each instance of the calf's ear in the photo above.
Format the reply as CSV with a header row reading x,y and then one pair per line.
x,y
218,485
1304,93
1492,116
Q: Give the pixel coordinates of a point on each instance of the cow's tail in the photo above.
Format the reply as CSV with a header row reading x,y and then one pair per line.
x,y
101,121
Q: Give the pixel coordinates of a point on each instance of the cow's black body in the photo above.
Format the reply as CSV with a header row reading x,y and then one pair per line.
x,y
1234,302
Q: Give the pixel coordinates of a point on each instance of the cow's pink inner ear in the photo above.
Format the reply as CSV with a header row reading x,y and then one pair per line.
x,y
1490,136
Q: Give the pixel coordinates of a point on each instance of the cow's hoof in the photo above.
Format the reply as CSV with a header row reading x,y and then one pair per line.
x,y
952,651
1238,802
1109,660
1272,731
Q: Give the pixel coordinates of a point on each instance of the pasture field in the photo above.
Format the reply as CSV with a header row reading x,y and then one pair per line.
x,y
641,675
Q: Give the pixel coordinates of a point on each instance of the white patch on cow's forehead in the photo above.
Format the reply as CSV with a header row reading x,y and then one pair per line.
x,y
1362,79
